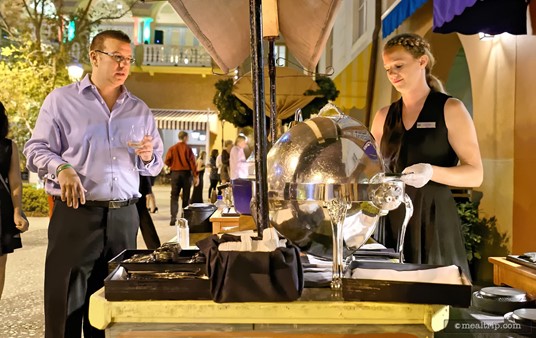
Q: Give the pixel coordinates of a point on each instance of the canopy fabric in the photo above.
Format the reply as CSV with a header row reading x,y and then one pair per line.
x,y
290,86
222,27
473,16
182,119
399,12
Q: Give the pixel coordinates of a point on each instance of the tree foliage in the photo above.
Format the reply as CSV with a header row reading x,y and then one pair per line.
x,y
327,92
231,109
36,48
479,232
25,84
239,114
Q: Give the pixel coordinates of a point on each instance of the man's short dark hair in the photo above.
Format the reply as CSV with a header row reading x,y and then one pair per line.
x,y
182,135
98,41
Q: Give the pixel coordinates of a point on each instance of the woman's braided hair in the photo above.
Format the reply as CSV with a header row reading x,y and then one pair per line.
x,y
417,46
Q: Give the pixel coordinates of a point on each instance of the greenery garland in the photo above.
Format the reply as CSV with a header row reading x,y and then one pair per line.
x,y
232,110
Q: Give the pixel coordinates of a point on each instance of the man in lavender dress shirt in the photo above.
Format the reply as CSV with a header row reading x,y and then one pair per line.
x,y
79,145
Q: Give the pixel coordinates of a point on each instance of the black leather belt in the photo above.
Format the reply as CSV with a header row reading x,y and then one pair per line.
x,y
108,204
112,204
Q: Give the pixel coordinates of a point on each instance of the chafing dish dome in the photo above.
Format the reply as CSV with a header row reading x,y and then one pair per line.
x,y
328,157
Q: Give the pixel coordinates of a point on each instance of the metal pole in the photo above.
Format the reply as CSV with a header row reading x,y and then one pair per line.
x,y
271,72
259,124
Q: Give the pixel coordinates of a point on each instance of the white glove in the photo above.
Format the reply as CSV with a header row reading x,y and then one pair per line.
x,y
417,175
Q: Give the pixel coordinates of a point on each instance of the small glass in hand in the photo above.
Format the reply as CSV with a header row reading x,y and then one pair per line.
x,y
135,137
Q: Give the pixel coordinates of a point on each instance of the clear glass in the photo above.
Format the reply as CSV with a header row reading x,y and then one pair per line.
x,y
135,136
134,140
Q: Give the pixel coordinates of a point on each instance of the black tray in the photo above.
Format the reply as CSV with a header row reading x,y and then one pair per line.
x,y
182,264
405,292
518,260
118,287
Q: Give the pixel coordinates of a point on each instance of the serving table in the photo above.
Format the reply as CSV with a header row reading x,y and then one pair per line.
x,y
225,224
515,275
315,314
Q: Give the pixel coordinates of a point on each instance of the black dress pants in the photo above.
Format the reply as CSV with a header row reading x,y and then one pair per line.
x,y
180,180
80,244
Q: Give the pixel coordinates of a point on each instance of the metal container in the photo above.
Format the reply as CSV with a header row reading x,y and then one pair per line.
x,y
325,157
326,176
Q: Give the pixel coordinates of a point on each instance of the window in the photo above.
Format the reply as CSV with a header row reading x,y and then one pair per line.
x,y
359,19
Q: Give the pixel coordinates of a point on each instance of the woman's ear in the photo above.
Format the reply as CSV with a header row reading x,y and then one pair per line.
x,y
423,60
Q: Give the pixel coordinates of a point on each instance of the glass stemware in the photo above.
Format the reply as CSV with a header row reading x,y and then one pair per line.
x,y
135,136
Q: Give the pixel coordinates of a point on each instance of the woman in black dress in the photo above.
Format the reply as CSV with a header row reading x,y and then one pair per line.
x,y
147,227
197,194
12,221
431,137
214,176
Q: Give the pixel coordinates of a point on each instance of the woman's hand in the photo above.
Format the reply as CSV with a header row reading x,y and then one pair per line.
x,y
417,175
20,222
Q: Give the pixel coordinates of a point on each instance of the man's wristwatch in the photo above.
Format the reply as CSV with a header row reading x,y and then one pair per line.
x,y
147,162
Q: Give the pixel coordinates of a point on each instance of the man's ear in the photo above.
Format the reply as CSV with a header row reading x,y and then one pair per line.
x,y
93,58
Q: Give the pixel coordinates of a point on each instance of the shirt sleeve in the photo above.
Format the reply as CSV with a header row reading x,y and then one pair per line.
x,y
43,149
154,167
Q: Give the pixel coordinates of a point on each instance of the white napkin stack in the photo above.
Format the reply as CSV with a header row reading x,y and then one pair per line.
x,y
270,241
442,275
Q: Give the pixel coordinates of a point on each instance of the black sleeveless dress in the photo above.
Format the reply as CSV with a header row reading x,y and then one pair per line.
x,y
433,235
9,234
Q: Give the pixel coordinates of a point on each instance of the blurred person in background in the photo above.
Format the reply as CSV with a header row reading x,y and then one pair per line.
x,y
148,230
151,200
197,195
237,159
223,163
181,160
214,175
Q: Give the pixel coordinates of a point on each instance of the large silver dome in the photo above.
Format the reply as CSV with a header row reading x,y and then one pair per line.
x,y
328,157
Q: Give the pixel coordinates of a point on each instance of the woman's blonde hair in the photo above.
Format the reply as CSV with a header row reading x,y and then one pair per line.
x,y
417,46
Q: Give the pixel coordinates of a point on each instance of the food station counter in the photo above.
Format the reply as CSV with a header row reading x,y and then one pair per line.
x,y
315,312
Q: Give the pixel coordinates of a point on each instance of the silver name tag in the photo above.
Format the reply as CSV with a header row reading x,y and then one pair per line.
x,y
425,124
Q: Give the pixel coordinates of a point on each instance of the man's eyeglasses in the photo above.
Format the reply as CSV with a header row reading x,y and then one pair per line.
x,y
118,58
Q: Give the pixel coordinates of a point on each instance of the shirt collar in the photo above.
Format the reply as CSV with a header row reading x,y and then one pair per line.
x,y
86,82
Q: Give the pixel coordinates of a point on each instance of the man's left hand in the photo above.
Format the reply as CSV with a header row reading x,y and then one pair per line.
x,y
145,152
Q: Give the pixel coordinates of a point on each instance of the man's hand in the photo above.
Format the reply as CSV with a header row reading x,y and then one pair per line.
x,y
71,188
145,152
20,222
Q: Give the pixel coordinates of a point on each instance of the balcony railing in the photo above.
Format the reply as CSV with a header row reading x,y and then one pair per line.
x,y
172,55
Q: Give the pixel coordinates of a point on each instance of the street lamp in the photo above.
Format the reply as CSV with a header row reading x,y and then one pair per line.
x,y
75,70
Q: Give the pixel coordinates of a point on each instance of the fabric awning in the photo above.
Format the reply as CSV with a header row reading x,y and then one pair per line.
x,y
182,119
291,84
222,27
397,13
481,16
